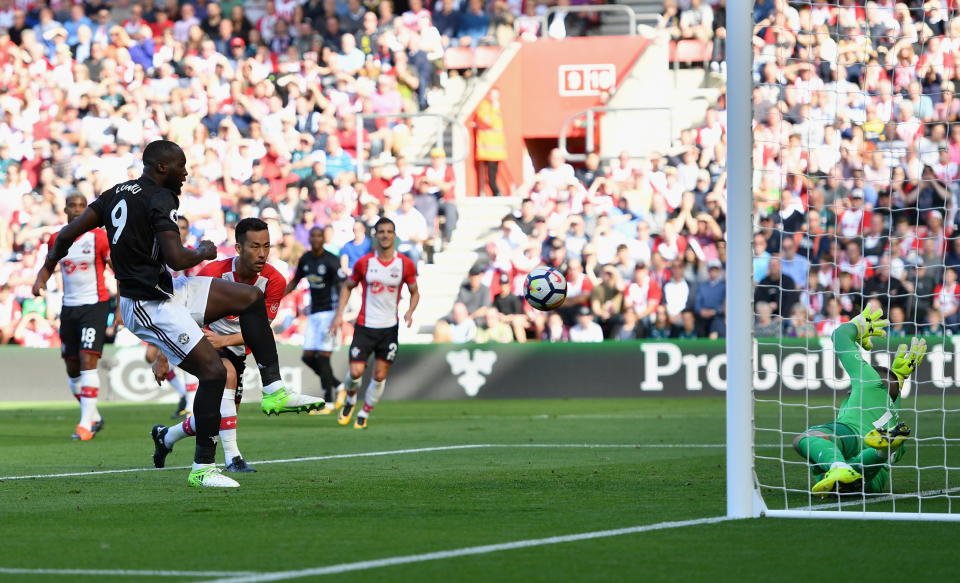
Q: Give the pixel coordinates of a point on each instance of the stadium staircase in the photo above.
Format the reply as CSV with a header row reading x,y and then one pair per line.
x,y
614,23
440,281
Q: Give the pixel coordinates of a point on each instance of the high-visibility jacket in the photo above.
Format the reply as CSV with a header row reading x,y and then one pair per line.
x,y
491,141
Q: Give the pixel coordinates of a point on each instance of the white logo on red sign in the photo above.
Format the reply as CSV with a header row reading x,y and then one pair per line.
x,y
586,80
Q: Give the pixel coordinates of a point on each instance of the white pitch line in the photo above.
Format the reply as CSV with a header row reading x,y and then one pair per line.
x,y
124,572
462,552
390,452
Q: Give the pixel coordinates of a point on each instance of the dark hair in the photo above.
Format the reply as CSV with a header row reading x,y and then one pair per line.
x,y
160,151
249,224
384,221
890,381
72,196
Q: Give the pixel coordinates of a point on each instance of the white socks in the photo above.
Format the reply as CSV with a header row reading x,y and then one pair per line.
x,y
89,392
272,387
228,425
372,396
177,432
836,465
228,428
74,383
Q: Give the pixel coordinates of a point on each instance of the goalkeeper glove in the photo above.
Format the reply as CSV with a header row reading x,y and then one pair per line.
x,y
887,441
907,361
870,324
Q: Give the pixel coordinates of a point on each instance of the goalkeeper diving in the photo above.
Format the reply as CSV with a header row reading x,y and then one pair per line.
x,y
854,453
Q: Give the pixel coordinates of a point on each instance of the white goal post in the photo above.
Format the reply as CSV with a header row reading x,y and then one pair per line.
x,y
907,499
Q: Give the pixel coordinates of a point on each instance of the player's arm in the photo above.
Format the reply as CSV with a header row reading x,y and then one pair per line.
x,y
222,340
292,285
88,221
345,291
177,257
414,300
847,347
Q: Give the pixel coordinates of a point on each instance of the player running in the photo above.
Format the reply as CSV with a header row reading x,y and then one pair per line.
x,y
321,268
382,274
83,319
854,453
141,220
249,266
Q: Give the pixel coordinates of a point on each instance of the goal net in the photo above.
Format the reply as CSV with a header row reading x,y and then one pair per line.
x,y
855,152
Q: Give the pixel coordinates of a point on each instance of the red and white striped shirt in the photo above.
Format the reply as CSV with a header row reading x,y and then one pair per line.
x,y
269,281
381,283
82,269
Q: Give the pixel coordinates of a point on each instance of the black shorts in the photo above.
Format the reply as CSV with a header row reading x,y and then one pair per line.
x,y
239,364
83,328
382,342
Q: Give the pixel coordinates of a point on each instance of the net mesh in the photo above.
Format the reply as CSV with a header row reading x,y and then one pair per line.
x,y
856,152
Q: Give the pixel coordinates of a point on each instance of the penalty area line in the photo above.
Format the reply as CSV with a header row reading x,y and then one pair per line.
x,y
124,572
390,452
463,552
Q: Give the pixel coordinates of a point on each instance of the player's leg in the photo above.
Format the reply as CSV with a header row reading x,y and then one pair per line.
x,y
170,326
72,364
234,461
874,464
318,344
364,342
220,298
90,391
822,446
386,353
92,321
378,381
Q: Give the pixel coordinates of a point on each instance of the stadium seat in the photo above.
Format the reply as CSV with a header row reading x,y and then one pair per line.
x,y
459,58
485,57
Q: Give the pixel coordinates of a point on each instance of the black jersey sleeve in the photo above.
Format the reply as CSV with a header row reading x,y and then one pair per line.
x,y
101,204
300,273
163,212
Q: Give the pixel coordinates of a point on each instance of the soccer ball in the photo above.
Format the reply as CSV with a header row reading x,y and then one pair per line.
x,y
545,288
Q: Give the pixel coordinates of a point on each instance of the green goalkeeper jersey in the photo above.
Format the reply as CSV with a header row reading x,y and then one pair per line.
x,y
869,405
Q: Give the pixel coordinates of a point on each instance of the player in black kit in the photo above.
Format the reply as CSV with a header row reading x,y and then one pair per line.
x,y
141,221
321,268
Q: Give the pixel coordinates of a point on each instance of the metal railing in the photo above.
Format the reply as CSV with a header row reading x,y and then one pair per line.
x,y
591,121
544,19
439,142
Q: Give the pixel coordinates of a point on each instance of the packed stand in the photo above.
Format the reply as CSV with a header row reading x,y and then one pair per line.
x,y
856,153
262,96
639,240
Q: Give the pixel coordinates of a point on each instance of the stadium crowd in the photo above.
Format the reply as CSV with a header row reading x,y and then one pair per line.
x,y
262,95
856,162
641,243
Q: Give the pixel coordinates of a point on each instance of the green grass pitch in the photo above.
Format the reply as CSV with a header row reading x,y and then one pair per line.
x,y
311,514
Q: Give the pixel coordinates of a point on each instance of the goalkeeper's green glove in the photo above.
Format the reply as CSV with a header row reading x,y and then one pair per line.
x,y
887,441
870,324
907,361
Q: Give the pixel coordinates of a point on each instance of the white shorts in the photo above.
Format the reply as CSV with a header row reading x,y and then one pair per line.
x,y
317,335
171,325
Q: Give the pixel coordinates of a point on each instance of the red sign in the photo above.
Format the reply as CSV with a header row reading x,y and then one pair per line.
x,y
586,80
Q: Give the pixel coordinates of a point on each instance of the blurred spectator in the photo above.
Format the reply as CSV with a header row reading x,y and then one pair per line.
x,y
606,301
710,303
586,330
411,229
496,329
462,330
767,325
